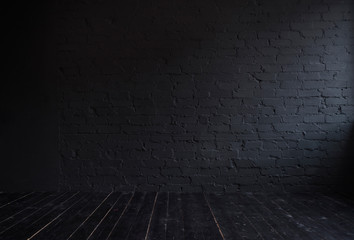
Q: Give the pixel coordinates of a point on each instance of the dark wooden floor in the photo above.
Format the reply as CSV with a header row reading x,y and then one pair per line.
x,y
174,216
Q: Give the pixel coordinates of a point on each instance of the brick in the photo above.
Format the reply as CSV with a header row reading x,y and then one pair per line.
x,y
171,172
336,118
314,67
307,144
335,101
331,92
287,77
220,103
308,110
290,84
292,68
287,59
313,84
285,127
294,171
309,93
314,118
336,66
286,92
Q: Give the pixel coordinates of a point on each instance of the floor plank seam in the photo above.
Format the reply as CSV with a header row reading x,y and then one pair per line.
x,y
253,226
28,207
274,230
30,215
16,200
116,223
36,233
104,217
212,213
72,234
152,213
54,208
165,216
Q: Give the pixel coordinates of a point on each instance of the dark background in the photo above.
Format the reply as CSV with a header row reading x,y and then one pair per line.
x,y
178,96
29,112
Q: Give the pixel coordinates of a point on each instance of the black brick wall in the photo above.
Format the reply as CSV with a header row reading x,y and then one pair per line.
x,y
203,95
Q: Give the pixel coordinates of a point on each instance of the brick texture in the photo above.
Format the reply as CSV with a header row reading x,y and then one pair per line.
x,y
203,95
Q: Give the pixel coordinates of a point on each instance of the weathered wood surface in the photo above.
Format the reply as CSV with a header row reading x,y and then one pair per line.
x,y
165,216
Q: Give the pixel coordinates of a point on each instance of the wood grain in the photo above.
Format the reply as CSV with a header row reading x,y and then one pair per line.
x,y
165,216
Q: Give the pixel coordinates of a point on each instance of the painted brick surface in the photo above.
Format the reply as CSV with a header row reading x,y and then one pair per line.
x,y
203,95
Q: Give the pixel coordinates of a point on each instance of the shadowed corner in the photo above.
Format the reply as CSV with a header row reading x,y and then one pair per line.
x,y
346,168
345,180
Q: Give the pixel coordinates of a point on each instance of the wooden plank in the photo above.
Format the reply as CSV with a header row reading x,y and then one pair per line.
x,y
30,228
17,207
233,222
268,224
215,220
72,222
113,216
198,220
140,228
30,214
176,216
340,199
175,222
9,197
56,216
86,227
159,220
343,212
285,223
13,198
334,224
341,206
260,224
27,211
53,230
228,219
151,216
302,217
123,225
104,217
